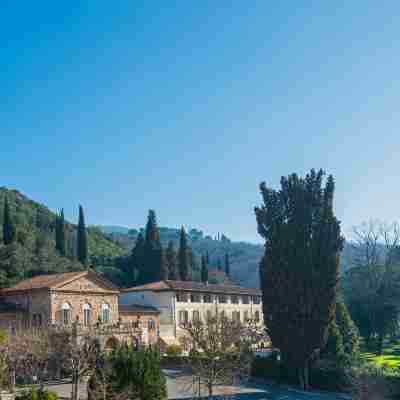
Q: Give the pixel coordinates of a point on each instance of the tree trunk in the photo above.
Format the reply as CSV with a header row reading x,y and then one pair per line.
x,y
210,389
12,380
380,344
75,385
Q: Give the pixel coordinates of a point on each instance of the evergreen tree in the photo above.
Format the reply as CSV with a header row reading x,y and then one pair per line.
x,y
60,233
299,272
82,250
161,273
171,260
9,232
137,262
154,261
204,270
227,265
348,329
207,259
183,257
219,265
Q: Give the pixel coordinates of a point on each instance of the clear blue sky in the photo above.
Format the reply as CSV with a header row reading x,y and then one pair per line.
x,y
185,107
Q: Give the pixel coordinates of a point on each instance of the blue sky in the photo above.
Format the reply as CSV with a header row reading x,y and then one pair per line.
x,y
185,107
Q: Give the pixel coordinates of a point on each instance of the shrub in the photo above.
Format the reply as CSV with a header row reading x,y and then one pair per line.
x,y
36,394
174,350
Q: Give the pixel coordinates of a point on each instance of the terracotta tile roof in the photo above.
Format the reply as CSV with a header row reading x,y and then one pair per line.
x,y
193,286
137,308
54,281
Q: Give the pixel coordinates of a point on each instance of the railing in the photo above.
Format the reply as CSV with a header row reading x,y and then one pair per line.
x,y
99,329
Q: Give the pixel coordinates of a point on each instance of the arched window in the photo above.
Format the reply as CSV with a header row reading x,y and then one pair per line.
x,y
105,313
87,314
66,313
151,324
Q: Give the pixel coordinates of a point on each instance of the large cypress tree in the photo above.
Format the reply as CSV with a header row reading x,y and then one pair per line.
x,y
299,272
204,270
172,263
60,233
227,265
9,231
82,250
183,257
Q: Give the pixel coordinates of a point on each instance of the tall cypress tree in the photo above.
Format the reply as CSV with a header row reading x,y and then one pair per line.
x,y
219,264
82,250
171,260
60,233
137,269
183,257
9,231
204,270
207,259
299,272
153,254
227,265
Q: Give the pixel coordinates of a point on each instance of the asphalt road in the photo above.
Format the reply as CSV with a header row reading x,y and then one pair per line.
x,y
181,386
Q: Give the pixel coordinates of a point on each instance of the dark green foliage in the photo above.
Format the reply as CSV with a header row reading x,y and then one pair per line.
x,y
82,246
372,294
227,265
300,269
9,232
60,233
219,264
172,263
135,265
34,252
183,257
204,270
348,330
36,394
334,346
154,261
138,374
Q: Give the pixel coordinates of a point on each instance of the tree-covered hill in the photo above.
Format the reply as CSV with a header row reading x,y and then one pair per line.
x,y
33,251
244,257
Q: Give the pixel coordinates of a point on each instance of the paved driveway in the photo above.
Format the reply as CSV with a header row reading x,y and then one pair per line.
x,y
182,386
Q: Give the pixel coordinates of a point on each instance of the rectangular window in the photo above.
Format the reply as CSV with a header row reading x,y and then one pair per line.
x,y
196,316
234,299
256,299
66,317
207,298
236,316
86,317
183,317
181,297
208,315
195,298
245,300
257,316
245,316
222,299
106,316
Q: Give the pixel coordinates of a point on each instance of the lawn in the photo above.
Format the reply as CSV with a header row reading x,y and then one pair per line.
x,y
390,357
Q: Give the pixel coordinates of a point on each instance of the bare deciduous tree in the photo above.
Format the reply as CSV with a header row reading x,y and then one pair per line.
x,y
220,352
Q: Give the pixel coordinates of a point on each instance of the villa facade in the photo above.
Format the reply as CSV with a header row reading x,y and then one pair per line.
x,y
181,302
81,298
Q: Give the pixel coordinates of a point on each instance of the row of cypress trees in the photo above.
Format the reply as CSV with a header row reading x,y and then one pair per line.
x,y
82,245
10,232
150,262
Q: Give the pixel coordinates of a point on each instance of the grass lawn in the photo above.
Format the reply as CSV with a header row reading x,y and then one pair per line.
x,y
390,357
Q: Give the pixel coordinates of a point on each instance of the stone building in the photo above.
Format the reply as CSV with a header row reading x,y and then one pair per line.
x,y
84,298
181,302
